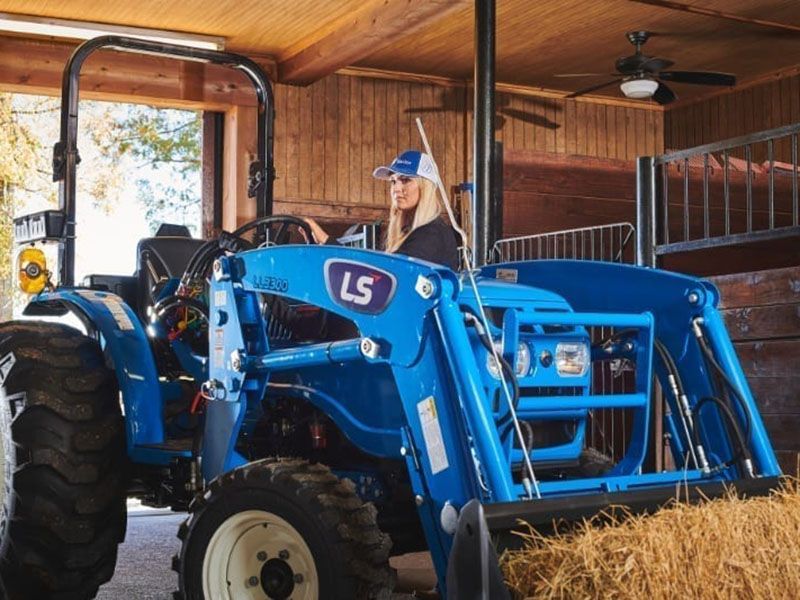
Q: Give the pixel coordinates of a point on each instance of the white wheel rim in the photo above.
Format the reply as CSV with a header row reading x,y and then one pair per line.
x,y
241,547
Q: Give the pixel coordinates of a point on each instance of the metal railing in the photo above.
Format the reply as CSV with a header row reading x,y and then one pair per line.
x,y
365,236
736,191
607,429
610,243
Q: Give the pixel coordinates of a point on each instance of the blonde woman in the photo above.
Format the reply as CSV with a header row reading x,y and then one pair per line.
x,y
416,227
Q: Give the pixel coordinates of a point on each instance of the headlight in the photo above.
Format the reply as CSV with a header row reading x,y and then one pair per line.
x,y
572,359
522,367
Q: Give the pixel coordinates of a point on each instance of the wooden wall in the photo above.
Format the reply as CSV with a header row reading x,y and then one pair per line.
x,y
331,134
757,107
747,110
762,312
546,192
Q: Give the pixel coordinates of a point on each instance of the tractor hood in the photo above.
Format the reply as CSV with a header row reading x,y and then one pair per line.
x,y
496,292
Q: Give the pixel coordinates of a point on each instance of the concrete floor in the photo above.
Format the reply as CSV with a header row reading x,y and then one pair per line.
x,y
144,567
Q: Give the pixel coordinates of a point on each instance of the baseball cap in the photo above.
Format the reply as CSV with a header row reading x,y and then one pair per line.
x,y
412,163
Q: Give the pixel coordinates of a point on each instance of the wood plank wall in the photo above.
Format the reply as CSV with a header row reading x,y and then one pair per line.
x,y
738,112
331,134
741,111
762,312
546,192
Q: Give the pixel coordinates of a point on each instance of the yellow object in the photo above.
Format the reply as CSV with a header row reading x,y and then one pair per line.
x,y
32,270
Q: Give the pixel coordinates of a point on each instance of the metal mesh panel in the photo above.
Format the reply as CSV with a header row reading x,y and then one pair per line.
x,y
608,430
609,243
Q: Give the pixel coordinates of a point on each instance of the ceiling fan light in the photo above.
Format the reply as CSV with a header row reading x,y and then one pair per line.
x,y
639,88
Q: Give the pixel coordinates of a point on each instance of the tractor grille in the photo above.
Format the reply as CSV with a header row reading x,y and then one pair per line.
x,y
533,392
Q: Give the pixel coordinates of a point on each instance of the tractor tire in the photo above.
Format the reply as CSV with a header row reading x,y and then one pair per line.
x,y
69,475
281,528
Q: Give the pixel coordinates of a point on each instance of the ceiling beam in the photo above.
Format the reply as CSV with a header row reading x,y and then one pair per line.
x,y
718,14
357,35
36,66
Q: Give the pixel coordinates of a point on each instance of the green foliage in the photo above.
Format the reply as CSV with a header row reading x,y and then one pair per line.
x,y
121,146
159,137
23,169
166,145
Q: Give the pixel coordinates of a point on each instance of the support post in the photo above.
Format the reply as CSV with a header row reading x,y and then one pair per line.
x,y
484,128
645,211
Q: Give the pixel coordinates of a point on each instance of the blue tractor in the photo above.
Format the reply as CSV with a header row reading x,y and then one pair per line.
x,y
427,409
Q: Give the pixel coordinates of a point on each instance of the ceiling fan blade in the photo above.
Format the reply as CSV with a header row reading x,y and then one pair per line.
x,y
664,95
530,118
593,88
698,77
586,75
654,65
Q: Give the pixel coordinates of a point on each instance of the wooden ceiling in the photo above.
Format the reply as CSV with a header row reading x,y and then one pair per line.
x,y
535,39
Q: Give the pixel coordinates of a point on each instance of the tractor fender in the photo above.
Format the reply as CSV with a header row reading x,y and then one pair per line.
x,y
125,346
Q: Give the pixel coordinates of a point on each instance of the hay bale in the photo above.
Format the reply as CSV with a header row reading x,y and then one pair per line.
x,y
725,548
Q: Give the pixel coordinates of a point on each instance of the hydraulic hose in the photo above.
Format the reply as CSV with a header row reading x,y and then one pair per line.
x,y
682,402
741,454
483,336
166,303
712,361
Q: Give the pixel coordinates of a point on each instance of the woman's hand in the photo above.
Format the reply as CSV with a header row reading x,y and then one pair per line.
x,y
318,232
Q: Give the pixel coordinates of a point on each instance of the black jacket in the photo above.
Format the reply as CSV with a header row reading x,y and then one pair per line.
x,y
435,242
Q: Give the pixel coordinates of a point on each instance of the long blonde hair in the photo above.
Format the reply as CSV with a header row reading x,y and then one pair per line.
x,y
402,223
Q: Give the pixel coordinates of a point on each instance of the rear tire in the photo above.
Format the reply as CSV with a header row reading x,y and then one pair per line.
x,y
69,479
278,529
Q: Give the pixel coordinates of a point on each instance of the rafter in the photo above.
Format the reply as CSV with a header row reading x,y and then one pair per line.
x,y
36,66
699,10
357,35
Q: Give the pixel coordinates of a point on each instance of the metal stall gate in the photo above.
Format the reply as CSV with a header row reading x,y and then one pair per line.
x,y
608,429
737,191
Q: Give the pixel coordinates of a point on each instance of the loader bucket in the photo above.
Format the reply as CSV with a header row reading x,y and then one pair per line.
x,y
485,530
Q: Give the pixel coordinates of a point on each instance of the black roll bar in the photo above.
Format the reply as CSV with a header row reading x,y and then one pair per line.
x,y
65,151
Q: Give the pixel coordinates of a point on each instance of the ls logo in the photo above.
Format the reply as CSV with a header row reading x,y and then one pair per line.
x,y
358,286
363,295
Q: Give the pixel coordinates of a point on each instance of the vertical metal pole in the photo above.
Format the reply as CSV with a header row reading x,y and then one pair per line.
x,y
706,218
645,212
771,159
726,191
748,153
664,170
496,224
794,180
483,168
686,230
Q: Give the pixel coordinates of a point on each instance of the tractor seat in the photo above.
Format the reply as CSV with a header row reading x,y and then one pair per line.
x,y
160,259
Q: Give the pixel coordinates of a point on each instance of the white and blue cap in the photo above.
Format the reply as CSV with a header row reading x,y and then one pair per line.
x,y
412,163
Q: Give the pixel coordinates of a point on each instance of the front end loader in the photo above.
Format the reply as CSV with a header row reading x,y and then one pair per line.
x,y
419,409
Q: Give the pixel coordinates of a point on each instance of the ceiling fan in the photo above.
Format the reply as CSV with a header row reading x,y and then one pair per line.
x,y
453,98
642,76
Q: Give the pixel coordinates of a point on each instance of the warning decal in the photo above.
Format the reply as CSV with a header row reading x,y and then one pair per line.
x,y
432,435
114,306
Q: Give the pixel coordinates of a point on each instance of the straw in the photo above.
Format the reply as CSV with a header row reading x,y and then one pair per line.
x,y
724,548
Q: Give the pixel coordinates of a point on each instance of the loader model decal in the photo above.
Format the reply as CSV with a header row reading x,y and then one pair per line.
x,y
359,287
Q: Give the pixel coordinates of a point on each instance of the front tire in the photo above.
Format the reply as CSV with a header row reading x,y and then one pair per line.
x,y
69,476
276,529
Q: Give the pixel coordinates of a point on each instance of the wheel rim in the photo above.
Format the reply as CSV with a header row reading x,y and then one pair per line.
x,y
256,554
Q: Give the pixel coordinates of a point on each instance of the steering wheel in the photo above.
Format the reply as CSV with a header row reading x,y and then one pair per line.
x,y
283,222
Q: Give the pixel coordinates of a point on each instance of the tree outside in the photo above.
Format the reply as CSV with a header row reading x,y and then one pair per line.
x,y
140,166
